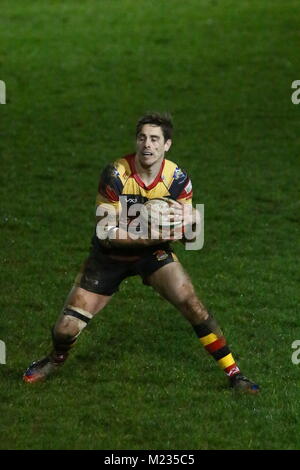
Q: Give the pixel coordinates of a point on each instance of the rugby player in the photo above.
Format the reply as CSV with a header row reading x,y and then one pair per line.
x,y
136,178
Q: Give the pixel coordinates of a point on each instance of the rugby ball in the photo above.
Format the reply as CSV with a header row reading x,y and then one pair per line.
x,y
160,212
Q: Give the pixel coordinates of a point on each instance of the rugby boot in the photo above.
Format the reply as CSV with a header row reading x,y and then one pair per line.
x,y
39,370
242,384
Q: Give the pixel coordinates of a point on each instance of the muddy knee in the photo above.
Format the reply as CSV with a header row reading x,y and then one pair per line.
x,y
72,322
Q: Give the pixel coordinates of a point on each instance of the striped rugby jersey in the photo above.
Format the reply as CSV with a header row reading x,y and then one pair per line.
x,y
121,179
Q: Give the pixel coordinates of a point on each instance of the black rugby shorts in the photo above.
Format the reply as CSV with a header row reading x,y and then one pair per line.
x,y
103,275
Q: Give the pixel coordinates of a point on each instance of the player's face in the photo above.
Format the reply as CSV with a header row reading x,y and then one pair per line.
x,y
151,145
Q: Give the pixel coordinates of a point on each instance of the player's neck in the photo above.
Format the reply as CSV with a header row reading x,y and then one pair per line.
x,y
148,173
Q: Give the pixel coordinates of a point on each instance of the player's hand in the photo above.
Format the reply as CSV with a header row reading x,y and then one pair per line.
x,y
158,234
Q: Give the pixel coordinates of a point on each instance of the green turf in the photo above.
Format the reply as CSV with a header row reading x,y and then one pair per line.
x,y
78,74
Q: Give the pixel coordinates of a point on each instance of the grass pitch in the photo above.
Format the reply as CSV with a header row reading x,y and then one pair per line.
x,y
78,74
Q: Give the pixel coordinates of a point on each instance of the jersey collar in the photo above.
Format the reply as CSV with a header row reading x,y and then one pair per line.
x,y
139,181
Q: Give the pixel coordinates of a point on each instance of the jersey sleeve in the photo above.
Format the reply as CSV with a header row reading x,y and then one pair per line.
x,y
181,188
110,187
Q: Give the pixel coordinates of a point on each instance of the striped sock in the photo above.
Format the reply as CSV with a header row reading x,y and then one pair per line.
x,y
211,337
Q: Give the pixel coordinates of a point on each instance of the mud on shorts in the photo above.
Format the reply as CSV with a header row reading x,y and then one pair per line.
x,y
102,274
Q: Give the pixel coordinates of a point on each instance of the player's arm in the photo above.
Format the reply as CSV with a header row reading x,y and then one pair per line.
x,y
109,230
191,221
191,217
111,233
122,238
107,202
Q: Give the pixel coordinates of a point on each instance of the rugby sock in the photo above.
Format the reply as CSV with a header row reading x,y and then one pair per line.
x,y
211,337
61,347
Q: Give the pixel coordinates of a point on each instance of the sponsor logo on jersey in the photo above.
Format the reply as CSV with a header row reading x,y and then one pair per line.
x,y
161,255
132,199
179,175
115,173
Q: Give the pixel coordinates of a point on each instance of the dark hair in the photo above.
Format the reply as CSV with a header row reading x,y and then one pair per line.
x,y
164,121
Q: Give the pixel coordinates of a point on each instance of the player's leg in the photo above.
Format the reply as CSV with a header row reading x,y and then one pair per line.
x,y
97,281
80,307
174,284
